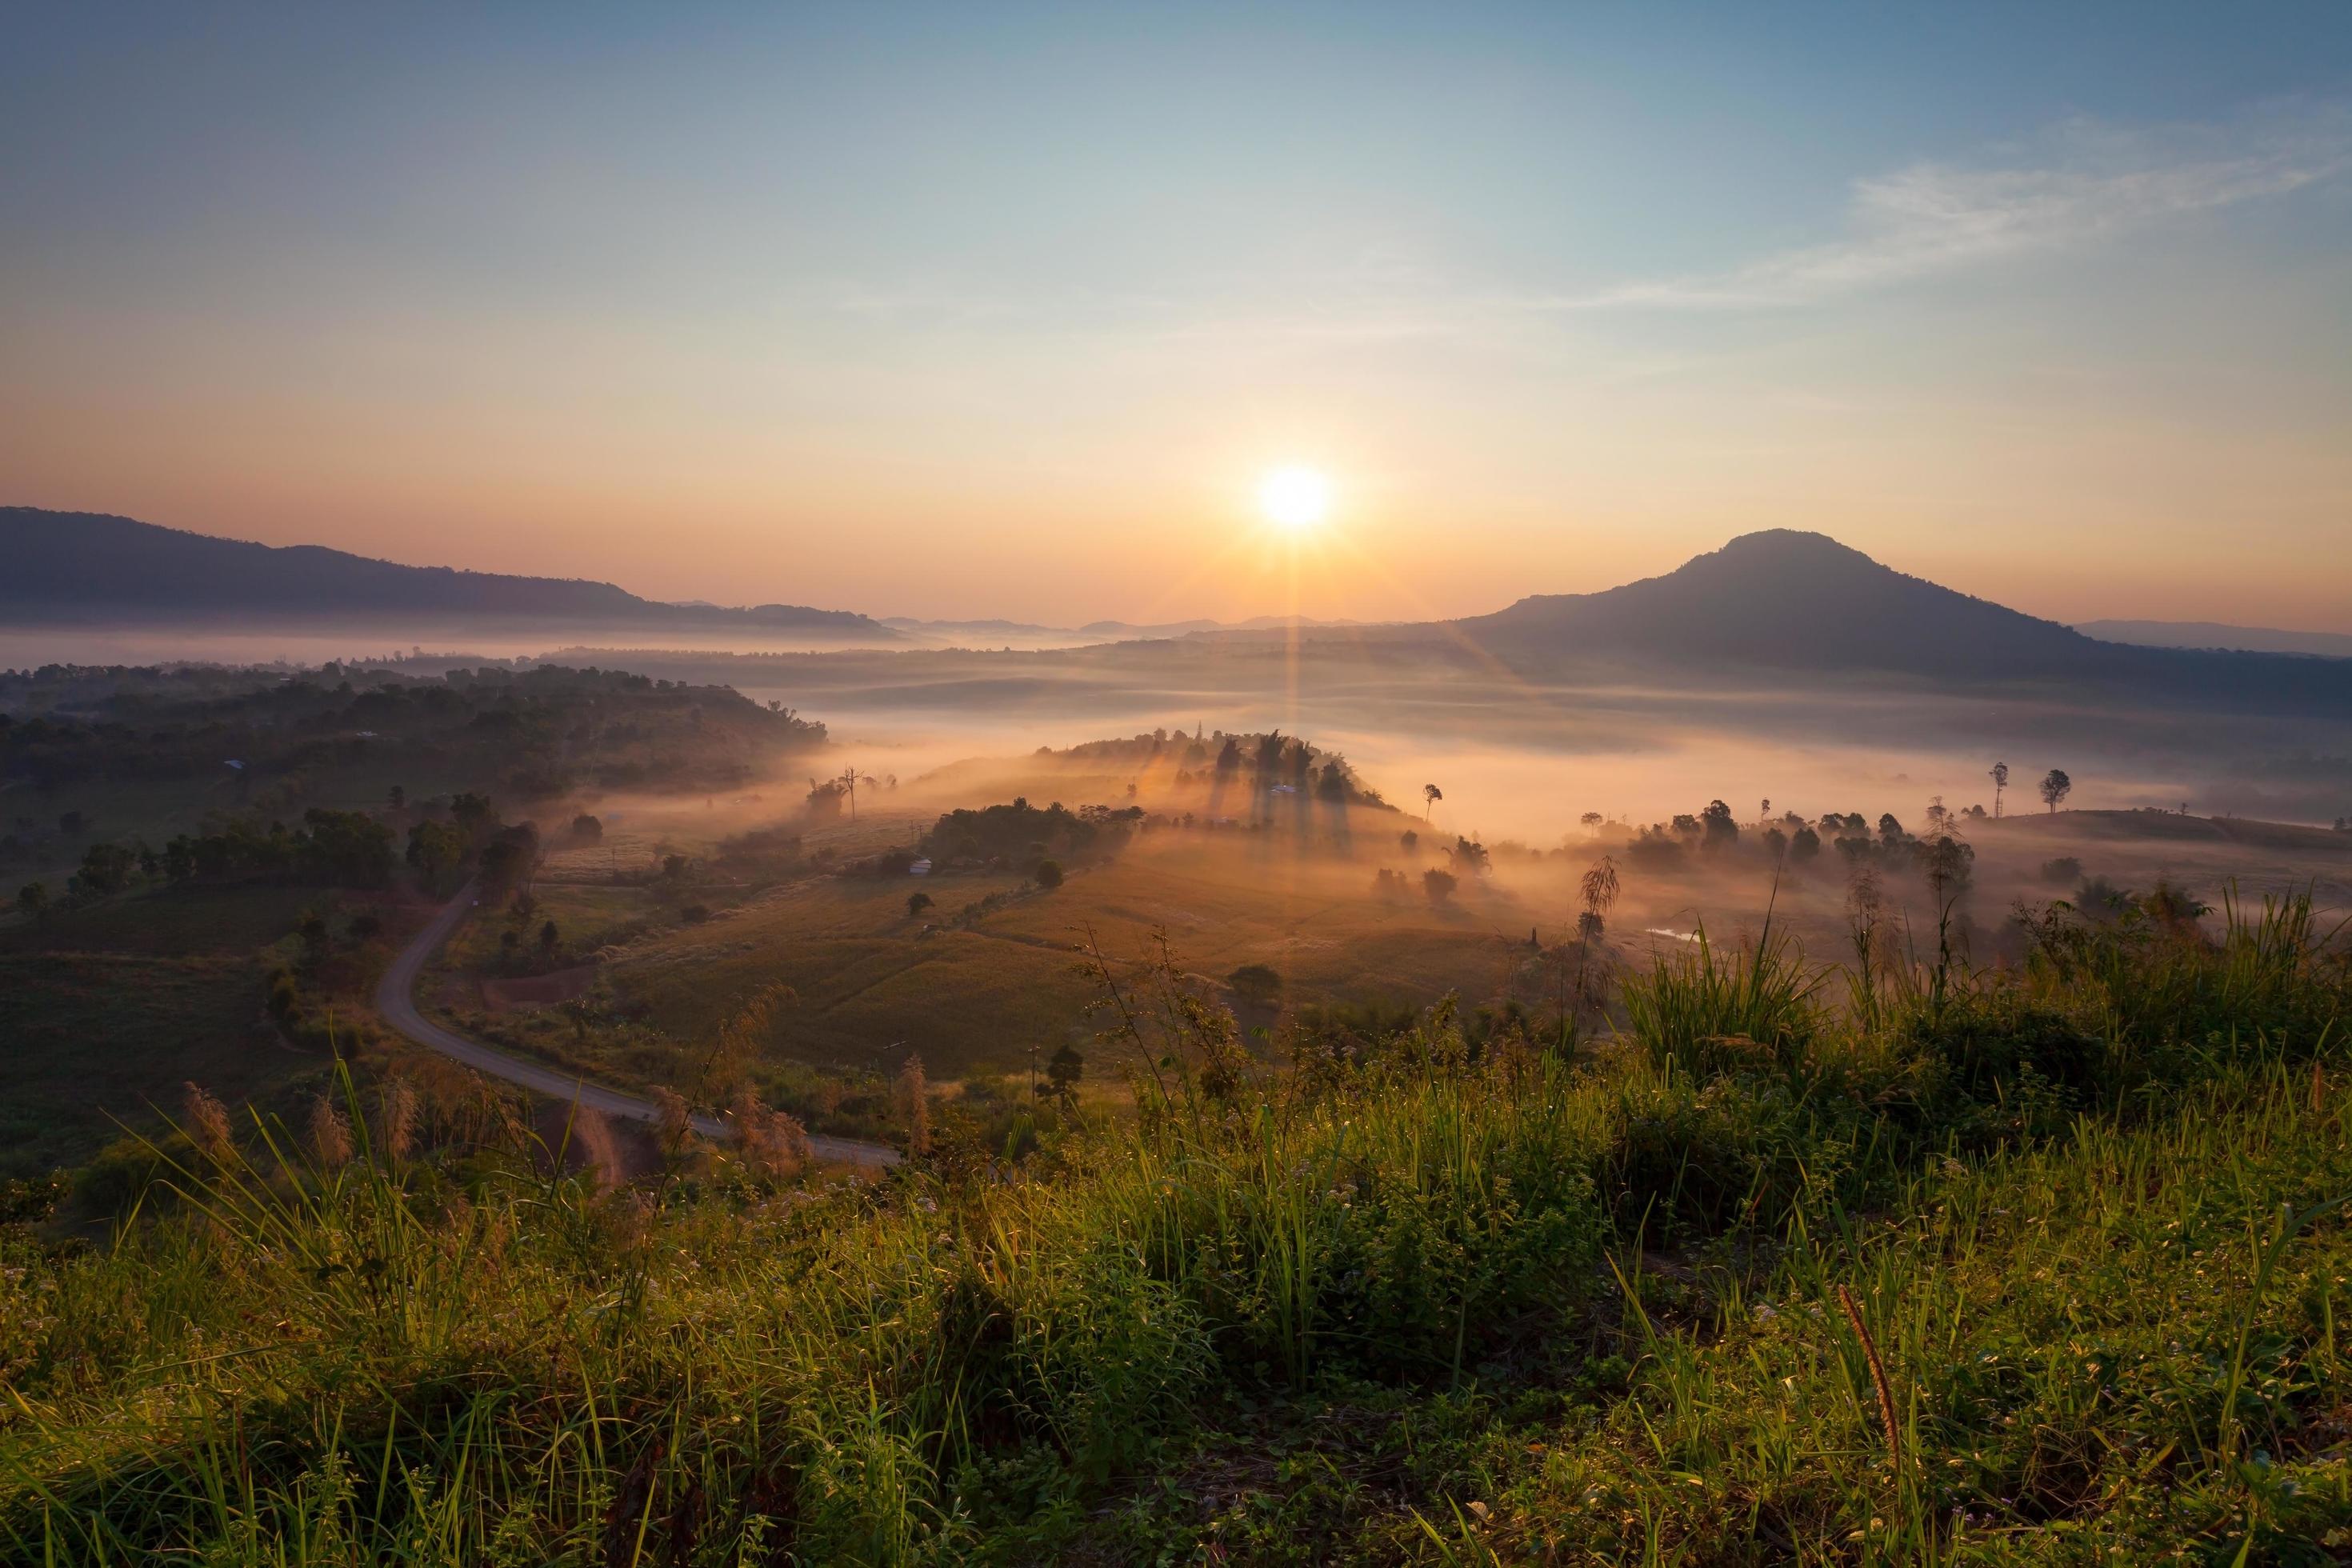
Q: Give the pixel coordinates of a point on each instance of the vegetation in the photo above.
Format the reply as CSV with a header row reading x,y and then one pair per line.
x,y
2037,1266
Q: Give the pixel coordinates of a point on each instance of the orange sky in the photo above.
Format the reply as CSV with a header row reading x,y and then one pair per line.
x,y
956,315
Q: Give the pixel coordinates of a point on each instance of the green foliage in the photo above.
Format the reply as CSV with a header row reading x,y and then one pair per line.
x,y
1700,1010
1408,1300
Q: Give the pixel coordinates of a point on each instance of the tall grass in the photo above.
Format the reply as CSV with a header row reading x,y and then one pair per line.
x,y
1700,1010
2085,1308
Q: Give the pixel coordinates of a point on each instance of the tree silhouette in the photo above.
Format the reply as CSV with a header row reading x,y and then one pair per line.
x,y
1439,885
1063,1070
916,903
2056,786
1593,821
1431,795
2000,783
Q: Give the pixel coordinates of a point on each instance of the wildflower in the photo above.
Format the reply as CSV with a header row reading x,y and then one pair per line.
x,y
397,1113
207,1123
330,1136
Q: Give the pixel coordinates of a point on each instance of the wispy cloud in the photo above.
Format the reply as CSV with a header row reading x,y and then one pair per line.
x,y
2082,182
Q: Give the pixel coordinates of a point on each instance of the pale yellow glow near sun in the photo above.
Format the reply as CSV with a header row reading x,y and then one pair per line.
x,y
1294,498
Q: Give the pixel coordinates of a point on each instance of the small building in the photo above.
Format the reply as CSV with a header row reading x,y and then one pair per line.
x,y
920,868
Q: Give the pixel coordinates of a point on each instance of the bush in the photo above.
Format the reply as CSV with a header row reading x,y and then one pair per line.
x,y
1049,875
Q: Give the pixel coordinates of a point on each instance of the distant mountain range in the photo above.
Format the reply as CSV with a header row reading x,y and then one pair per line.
x,y
86,567
1778,601
2213,635
1109,631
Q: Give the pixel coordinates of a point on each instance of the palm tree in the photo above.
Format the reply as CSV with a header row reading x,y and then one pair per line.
x,y
1430,796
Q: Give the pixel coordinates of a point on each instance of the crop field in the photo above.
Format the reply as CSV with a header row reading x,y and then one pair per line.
x,y
94,1040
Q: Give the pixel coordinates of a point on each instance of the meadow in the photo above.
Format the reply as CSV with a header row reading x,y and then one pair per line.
x,y
1920,1264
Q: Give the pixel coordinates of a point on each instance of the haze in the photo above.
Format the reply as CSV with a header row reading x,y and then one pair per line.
x,y
939,313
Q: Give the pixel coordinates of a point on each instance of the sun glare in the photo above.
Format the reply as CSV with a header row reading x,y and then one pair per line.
x,y
1294,498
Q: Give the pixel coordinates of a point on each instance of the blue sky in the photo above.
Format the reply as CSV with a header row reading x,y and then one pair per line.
x,y
978,310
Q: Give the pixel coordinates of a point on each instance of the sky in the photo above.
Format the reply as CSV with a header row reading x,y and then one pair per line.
x,y
1002,311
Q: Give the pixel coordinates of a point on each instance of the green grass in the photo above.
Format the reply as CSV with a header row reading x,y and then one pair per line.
x,y
1433,1297
171,922
95,1040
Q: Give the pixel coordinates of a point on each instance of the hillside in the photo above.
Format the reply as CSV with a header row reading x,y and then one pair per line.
x,y
91,567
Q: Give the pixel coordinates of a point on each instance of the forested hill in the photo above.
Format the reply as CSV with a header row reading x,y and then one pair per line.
x,y
86,566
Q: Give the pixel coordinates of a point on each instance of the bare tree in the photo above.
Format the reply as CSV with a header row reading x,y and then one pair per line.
x,y
2056,786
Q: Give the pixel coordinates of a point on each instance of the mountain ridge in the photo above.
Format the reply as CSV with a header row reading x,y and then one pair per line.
x,y
82,566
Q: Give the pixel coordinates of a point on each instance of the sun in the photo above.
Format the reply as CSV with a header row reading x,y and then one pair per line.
x,y
1294,498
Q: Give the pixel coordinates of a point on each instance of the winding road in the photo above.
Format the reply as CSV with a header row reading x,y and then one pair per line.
x,y
396,999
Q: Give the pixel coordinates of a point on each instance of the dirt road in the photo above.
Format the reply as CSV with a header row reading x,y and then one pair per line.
x,y
396,999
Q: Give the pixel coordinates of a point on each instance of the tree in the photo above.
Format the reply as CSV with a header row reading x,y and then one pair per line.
x,y
587,829
1049,875
549,937
1257,984
1431,795
1716,823
1063,1070
106,868
1409,840
1439,885
2000,782
397,795
916,903
33,898
1804,844
2056,786
1593,821
435,849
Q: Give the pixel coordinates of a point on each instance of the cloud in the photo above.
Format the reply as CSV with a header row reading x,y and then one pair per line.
x,y
2083,183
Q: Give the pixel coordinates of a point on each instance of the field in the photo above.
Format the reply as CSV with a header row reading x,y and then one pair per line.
x,y
97,1040
991,971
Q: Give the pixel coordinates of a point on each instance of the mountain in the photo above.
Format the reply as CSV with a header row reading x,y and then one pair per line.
x,y
1802,602
89,566
2213,635
1798,601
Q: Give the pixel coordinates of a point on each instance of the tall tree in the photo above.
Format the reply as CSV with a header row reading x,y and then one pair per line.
x,y
2000,783
1430,795
2056,786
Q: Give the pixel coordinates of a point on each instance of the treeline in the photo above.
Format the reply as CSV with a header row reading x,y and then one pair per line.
x,y
528,734
1020,833
351,850
1267,759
